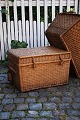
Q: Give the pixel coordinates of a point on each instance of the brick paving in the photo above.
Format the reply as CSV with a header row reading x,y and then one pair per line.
x,y
54,103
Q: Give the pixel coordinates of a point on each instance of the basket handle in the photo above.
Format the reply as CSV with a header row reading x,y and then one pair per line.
x,y
33,61
61,60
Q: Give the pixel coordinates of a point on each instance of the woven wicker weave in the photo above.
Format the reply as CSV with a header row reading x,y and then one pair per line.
x,y
34,68
64,33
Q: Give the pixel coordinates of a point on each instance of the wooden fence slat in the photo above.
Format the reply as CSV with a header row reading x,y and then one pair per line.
x,y
8,24
2,56
27,33
12,30
53,9
23,20
61,6
42,34
20,30
45,19
38,22
31,22
68,5
4,37
76,6
15,19
35,35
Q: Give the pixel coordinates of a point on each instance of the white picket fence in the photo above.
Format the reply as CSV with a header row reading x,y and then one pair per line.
x,y
30,31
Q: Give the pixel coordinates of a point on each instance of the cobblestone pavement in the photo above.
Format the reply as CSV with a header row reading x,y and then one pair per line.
x,y
54,103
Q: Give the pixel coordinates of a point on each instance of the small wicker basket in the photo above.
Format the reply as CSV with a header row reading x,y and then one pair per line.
x,y
35,68
64,33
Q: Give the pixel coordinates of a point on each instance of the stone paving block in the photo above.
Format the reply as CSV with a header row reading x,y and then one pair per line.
x,y
1,107
35,106
42,99
22,106
30,100
76,99
1,78
77,94
73,112
46,113
44,94
18,114
58,94
72,118
55,99
66,100
7,101
11,95
33,94
23,95
70,94
32,114
1,96
4,115
28,118
64,106
49,106
76,105
58,112
55,118
18,100
42,119
8,90
9,107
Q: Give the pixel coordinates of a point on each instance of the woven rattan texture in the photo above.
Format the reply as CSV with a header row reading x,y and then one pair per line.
x,y
28,52
64,33
49,68
60,24
71,39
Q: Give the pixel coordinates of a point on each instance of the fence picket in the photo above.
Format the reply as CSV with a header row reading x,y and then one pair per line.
x,y
20,31
31,23
2,56
27,33
12,30
23,20
53,9
61,6
35,35
15,19
45,20
42,34
68,5
38,22
8,24
76,6
5,40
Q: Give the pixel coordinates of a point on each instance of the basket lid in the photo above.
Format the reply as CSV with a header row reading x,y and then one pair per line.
x,y
38,51
64,21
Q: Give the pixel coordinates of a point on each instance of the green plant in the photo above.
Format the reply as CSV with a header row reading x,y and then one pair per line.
x,y
17,44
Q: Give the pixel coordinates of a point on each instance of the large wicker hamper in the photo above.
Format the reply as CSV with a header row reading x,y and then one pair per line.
x,y
33,68
64,33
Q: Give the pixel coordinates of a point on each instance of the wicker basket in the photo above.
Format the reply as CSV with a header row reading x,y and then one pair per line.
x,y
34,68
64,33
